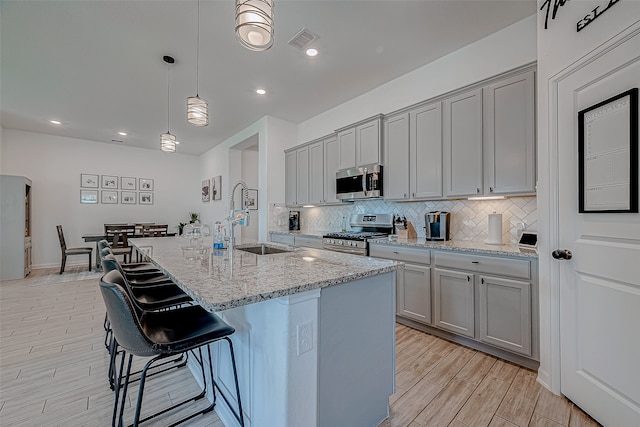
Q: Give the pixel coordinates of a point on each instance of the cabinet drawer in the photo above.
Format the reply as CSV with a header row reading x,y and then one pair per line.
x,y
398,253
286,239
309,242
484,264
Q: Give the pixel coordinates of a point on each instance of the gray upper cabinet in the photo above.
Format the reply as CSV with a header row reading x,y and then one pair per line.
x,y
347,148
425,151
463,144
509,136
302,174
413,154
396,169
331,166
290,177
360,144
368,143
316,173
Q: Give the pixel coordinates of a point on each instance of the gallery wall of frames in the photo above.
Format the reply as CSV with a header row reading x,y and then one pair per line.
x,y
111,189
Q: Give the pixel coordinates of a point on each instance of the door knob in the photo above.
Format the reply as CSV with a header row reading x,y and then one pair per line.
x,y
562,254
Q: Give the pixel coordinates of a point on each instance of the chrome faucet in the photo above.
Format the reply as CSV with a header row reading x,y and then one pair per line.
x,y
237,216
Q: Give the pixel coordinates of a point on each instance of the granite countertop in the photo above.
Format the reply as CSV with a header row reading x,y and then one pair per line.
x,y
217,285
318,234
463,246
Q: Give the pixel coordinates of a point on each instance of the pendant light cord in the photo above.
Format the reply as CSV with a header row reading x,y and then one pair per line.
x,y
198,54
168,94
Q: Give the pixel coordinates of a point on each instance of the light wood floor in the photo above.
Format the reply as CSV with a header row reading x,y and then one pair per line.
x,y
53,368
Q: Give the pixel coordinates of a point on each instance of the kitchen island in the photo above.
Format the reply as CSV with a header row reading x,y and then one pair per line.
x,y
314,338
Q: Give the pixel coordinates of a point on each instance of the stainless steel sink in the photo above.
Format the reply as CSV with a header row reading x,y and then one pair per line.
x,y
262,250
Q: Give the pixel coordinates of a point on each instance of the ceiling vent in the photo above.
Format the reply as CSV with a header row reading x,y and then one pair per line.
x,y
303,39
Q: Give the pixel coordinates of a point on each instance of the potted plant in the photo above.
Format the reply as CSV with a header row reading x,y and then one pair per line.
x,y
193,218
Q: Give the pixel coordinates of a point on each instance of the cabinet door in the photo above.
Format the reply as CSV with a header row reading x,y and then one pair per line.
x,y
331,166
290,177
286,239
454,301
302,184
413,293
509,143
396,168
347,148
463,144
368,143
316,173
426,152
505,313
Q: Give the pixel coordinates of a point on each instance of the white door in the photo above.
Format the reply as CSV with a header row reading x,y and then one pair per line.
x,y
600,284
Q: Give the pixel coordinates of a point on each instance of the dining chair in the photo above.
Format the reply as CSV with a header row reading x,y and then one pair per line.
x,y
120,245
70,251
155,230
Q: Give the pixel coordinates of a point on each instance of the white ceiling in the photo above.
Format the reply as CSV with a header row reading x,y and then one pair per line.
x,y
97,65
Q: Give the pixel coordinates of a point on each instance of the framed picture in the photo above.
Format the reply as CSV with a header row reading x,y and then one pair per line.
x,y
146,184
88,180
89,196
205,190
216,188
128,197
110,181
608,155
109,197
128,183
252,199
145,198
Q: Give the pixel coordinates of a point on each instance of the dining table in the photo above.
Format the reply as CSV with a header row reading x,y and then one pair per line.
x,y
97,237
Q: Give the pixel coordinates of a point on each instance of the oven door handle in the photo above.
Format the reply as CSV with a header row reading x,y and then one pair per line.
x,y
364,181
355,251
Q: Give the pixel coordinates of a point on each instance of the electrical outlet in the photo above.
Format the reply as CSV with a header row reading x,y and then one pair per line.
x,y
305,337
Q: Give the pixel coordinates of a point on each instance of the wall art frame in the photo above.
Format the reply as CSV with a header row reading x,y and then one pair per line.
x,y
128,183
89,180
109,197
110,182
128,197
252,199
205,190
89,196
216,188
145,198
145,184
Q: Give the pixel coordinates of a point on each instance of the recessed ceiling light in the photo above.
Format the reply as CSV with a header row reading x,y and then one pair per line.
x,y
261,91
311,52
55,122
122,133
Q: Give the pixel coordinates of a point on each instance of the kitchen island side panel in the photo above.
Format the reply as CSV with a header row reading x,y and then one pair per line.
x,y
356,361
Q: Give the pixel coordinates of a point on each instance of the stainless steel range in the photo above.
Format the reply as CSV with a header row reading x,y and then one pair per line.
x,y
364,227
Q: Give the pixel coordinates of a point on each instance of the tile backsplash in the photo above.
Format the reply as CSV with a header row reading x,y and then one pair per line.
x,y
469,218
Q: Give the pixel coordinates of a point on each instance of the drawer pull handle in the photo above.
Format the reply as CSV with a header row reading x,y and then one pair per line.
x,y
395,252
468,278
475,262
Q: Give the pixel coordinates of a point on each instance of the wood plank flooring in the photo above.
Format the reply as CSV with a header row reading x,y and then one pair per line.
x,y
53,368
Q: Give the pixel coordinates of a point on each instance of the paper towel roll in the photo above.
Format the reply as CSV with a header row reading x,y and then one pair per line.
x,y
494,233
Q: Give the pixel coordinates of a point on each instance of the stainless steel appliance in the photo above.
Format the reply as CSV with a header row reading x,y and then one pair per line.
x,y
359,183
364,227
436,225
294,220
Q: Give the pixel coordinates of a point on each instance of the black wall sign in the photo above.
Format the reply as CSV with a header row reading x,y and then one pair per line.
x,y
553,6
591,16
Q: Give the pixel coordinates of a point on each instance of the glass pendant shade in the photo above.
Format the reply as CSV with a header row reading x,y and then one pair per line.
x,y
254,24
168,142
197,111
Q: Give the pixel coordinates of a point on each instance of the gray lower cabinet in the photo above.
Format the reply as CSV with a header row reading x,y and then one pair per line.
x,y
505,313
413,293
308,241
286,239
453,301
413,284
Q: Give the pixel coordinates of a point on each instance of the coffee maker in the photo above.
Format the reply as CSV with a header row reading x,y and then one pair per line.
x,y
294,220
437,224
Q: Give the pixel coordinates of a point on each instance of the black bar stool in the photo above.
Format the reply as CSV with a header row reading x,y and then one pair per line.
x,y
162,334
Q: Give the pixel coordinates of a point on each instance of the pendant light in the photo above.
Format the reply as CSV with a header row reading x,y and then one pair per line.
x,y
197,108
254,23
167,140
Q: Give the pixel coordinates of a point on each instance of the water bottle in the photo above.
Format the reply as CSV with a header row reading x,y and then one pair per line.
x,y
344,224
218,242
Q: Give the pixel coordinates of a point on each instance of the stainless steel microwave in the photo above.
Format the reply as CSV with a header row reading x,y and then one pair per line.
x,y
364,182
